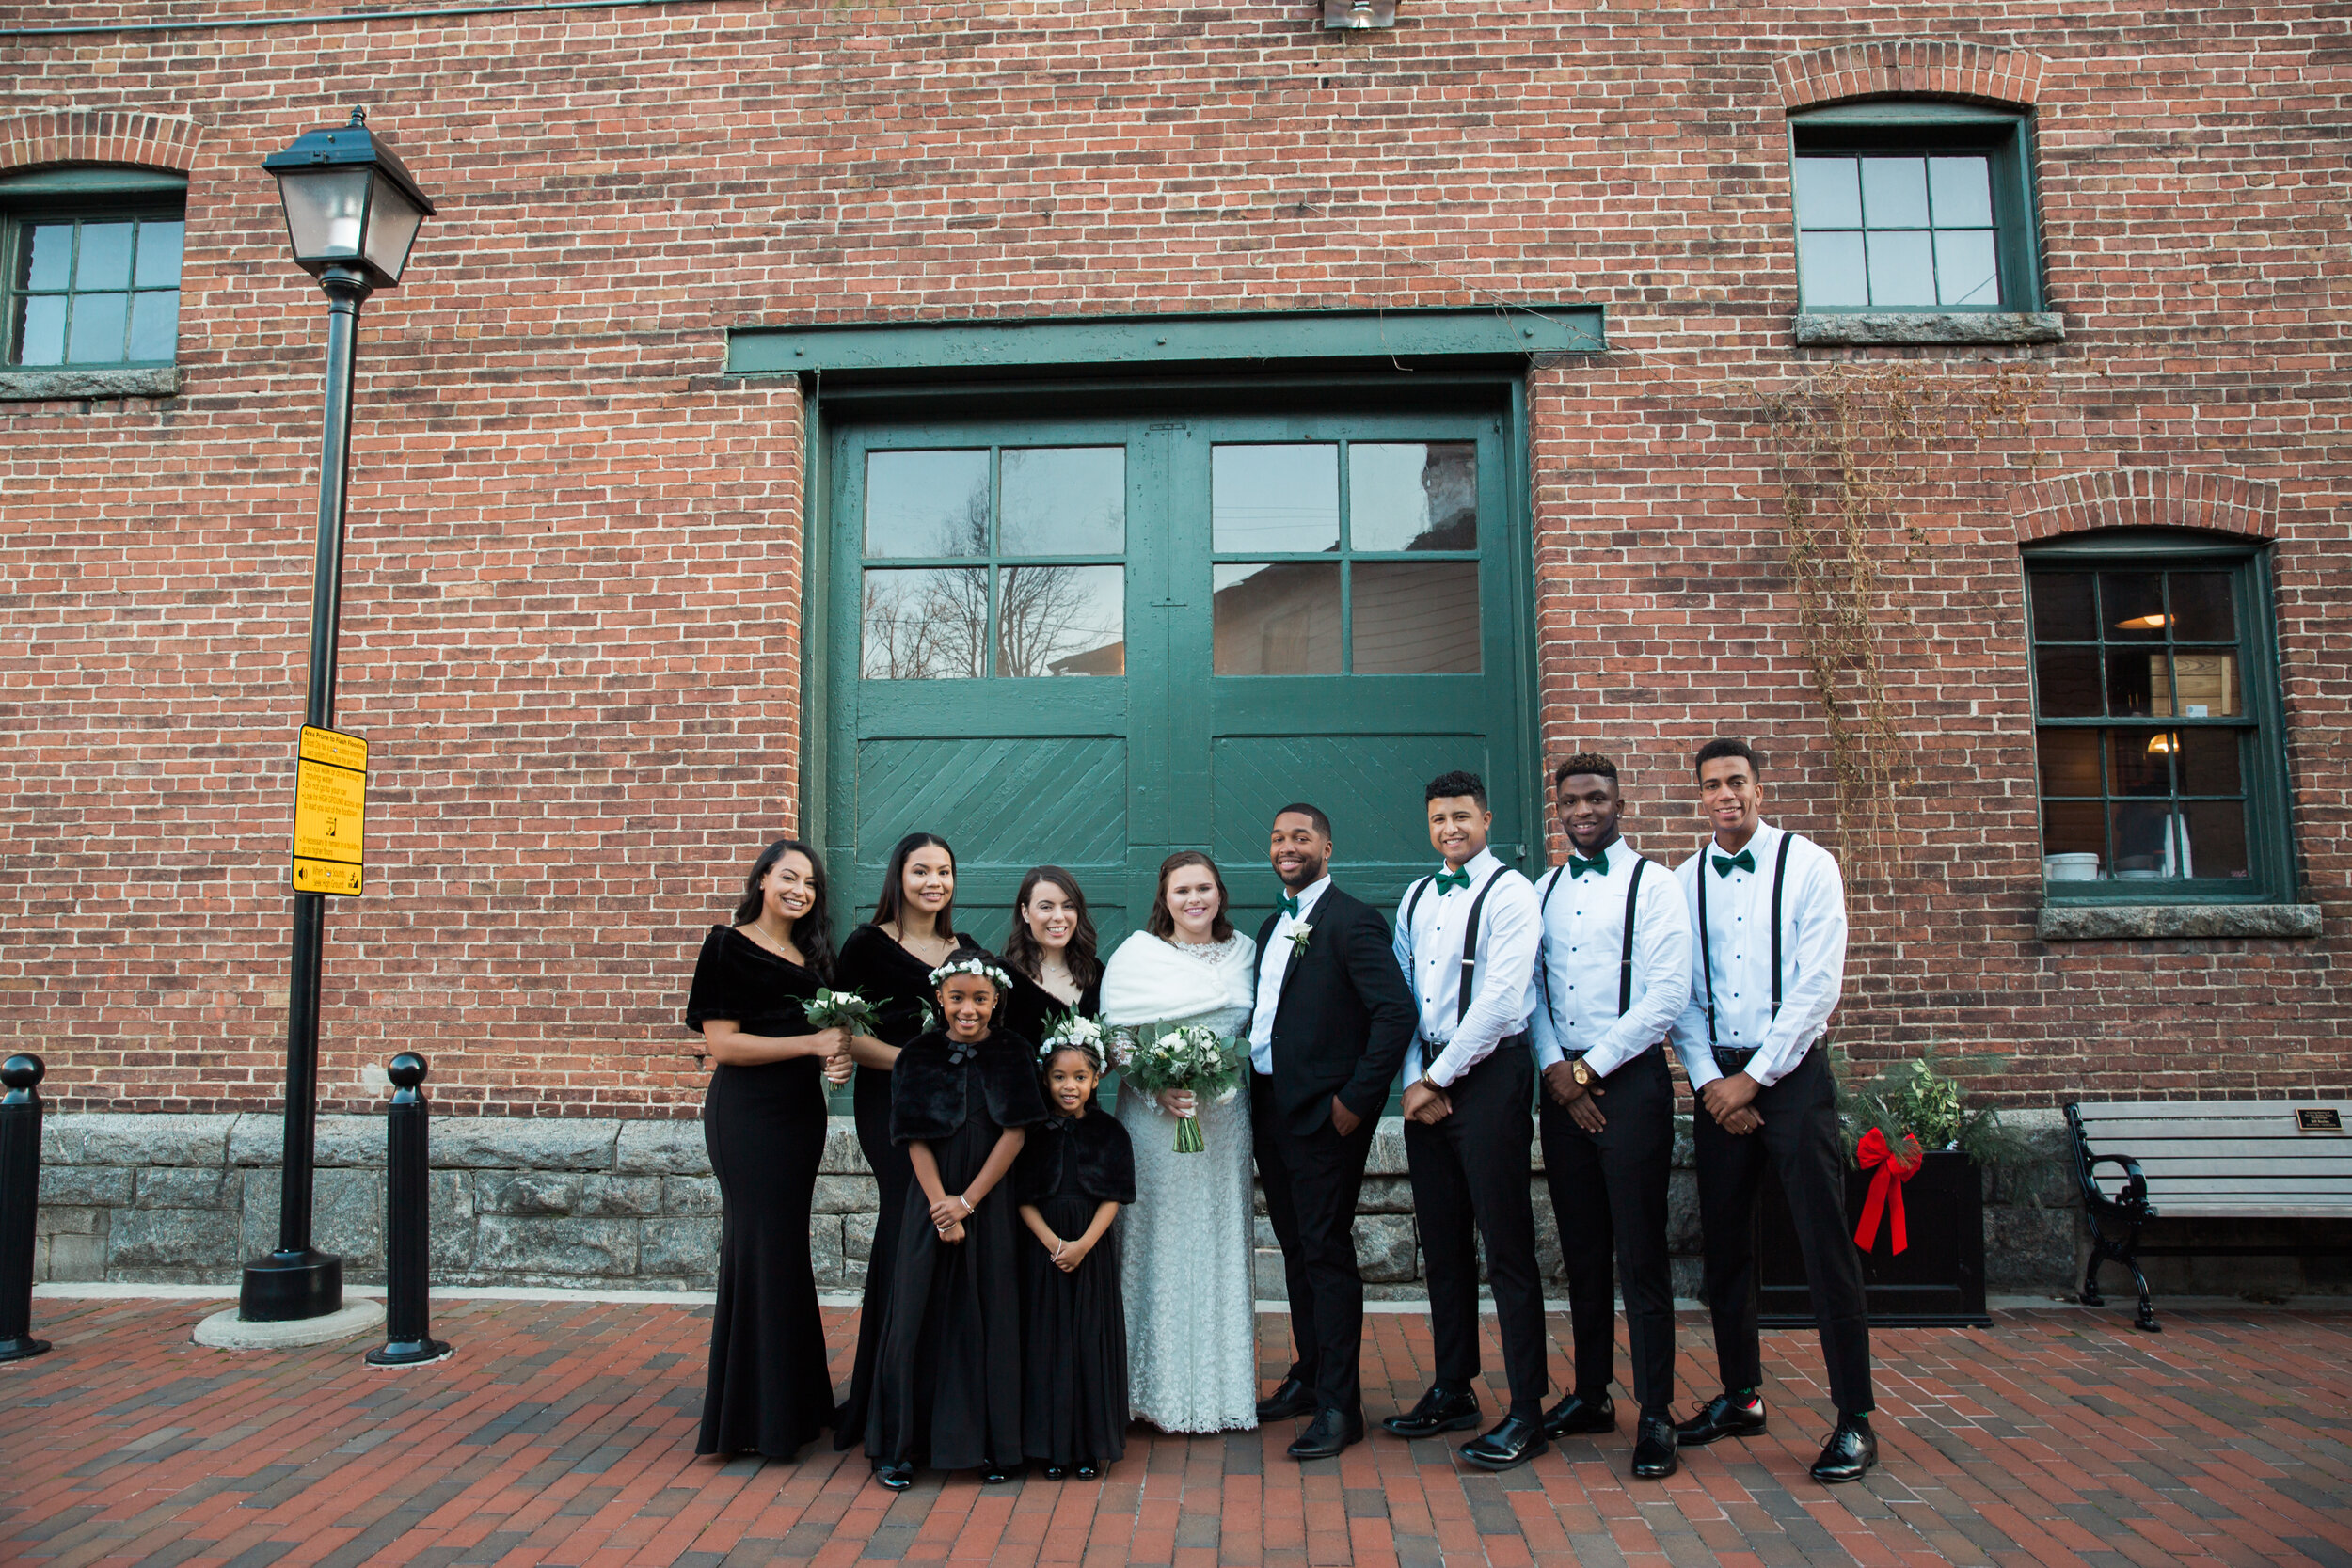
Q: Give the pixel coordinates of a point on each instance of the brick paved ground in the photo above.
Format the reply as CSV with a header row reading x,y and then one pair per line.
x,y
563,1434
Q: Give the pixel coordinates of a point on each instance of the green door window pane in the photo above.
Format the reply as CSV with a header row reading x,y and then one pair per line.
x,y
48,258
2140,763
1960,191
2132,605
1415,618
103,259
1061,621
37,335
2209,763
1277,619
1063,501
98,323
1275,499
1833,268
1412,496
924,623
1968,267
2066,683
2064,607
2202,608
1902,268
2069,762
1895,193
2216,839
158,265
154,323
1829,193
927,503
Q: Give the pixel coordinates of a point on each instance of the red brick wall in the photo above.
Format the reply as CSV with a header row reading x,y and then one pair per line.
x,y
574,581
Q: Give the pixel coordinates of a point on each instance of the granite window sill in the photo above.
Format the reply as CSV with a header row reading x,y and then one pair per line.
x,y
1824,329
2096,922
66,385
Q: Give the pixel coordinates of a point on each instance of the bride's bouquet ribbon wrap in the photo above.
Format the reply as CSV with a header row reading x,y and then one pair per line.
x,y
1896,1164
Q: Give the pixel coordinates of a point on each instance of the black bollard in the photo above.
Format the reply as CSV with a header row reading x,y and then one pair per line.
x,y
408,1226
20,1202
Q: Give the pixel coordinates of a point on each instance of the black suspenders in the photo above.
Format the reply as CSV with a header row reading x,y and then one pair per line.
x,y
1625,960
1469,937
1707,956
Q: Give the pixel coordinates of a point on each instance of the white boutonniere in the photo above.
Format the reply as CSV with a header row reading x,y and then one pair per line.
x,y
1298,938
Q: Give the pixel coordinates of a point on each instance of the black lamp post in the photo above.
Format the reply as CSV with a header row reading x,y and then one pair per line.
x,y
353,213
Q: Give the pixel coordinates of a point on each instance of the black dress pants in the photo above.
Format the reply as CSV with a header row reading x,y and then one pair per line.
x,y
1800,1138
1471,1179
1609,1195
1312,1183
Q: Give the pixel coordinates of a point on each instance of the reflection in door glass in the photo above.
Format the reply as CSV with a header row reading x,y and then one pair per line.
x,y
1416,617
1278,620
1412,496
1061,621
1275,499
1063,501
927,503
924,624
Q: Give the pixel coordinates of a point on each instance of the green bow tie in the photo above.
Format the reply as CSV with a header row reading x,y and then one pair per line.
x,y
1578,865
1289,905
1726,865
1445,880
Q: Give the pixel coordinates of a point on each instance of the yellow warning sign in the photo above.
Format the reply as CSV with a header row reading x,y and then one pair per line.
x,y
330,811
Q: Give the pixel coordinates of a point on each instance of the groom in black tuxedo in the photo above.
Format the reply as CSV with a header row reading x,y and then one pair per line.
x,y
1332,1026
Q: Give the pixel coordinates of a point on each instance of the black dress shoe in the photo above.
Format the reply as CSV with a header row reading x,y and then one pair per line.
x,y
1441,1409
1576,1414
1511,1444
1326,1435
896,1477
1053,1472
1292,1398
1850,1451
1086,1469
1653,1457
997,1475
1722,1416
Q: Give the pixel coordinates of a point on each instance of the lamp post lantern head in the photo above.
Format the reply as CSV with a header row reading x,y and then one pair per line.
x,y
350,202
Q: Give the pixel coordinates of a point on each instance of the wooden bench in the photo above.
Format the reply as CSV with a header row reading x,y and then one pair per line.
x,y
2232,1159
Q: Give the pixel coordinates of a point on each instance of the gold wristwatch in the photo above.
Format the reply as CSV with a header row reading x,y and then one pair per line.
x,y
1584,1075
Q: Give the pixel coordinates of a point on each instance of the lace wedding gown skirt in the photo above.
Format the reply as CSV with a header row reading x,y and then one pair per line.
x,y
1185,1247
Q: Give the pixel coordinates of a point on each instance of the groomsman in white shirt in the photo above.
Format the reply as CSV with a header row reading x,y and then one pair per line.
x,y
1612,974
1466,940
1769,911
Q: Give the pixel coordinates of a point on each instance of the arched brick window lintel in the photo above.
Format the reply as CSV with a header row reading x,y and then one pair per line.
x,y
127,136
2197,498
1900,68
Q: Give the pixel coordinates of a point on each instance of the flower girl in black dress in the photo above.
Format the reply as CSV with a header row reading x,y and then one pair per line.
x,y
1074,1172
947,1379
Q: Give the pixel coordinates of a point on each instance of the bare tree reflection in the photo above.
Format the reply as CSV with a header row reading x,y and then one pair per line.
x,y
932,623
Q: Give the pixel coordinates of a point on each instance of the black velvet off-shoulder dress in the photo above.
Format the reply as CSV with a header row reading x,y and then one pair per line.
x,y
769,1392
899,985
1073,1354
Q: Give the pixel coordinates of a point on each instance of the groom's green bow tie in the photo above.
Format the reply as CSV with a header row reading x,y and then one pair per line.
x,y
1289,905
1578,865
1445,880
1726,865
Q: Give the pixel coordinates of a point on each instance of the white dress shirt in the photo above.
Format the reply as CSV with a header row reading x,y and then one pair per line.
x,y
1579,964
1739,942
1272,967
1429,951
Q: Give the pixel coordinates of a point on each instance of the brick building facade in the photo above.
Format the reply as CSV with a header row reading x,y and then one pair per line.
x,y
581,555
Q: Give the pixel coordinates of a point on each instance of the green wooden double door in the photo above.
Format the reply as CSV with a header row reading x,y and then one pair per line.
x,y
1091,640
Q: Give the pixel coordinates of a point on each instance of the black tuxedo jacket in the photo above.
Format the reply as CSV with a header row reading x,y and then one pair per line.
x,y
1344,1017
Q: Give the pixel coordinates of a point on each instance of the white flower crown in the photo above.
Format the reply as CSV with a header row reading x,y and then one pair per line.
x,y
980,967
1073,1031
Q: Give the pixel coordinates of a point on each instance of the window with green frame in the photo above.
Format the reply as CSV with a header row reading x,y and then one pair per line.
x,y
1913,205
2157,721
89,268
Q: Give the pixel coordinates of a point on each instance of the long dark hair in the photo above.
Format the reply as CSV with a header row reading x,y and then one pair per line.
x,y
812,933
1021,949
1162,924
893,890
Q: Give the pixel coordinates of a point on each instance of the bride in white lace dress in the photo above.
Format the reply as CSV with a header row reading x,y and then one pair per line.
x,y
1187,1243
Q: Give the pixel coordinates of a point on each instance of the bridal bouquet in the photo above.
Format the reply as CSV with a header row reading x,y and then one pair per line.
x,y
841,1009
1193,1057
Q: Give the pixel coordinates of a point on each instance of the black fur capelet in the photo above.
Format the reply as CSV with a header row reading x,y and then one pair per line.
x,y
1088,1155
937,1085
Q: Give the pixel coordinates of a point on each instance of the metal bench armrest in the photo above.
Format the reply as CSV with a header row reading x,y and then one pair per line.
x,y
2132,1202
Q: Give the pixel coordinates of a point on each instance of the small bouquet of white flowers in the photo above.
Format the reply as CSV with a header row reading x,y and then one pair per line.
x,y
1075,1029
1191,1057
841,1009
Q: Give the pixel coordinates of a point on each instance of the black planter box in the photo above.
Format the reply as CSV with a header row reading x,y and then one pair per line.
x,y
1938,1281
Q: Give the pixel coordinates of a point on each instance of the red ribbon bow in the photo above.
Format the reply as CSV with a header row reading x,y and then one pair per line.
x,y
1895,1168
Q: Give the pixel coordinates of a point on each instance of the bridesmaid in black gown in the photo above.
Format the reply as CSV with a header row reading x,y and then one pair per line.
x,y
890,960
1050,953
764,1123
